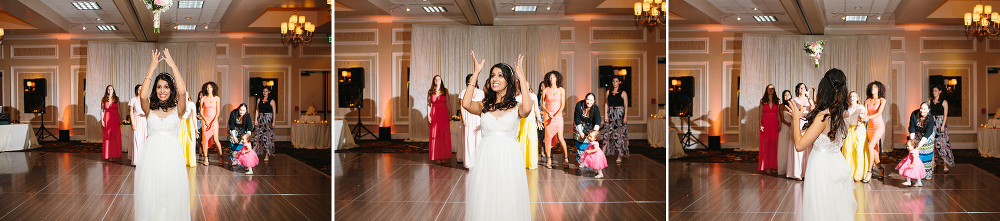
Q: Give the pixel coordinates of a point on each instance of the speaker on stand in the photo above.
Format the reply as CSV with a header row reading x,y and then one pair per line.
x,y
34,102
351,84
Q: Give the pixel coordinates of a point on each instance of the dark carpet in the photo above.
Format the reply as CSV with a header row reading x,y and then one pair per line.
x,y
640,147
316,158
889,160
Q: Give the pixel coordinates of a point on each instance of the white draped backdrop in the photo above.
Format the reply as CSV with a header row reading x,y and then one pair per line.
x,y
444,50
780,60
124,64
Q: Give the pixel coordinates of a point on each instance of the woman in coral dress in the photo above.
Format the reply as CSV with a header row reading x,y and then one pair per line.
x,y
210,120
439,118
111,125
875,104
554,97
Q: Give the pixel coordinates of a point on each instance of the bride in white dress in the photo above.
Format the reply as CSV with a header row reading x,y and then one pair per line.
x,y
497,187
829,186
161,181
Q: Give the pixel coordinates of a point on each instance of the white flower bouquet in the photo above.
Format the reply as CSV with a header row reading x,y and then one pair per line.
x,y
815,49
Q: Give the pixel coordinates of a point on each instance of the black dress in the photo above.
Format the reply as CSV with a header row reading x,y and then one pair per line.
x,y
615,131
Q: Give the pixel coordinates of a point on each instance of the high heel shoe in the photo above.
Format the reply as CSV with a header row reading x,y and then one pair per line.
x,y
548,162
566,163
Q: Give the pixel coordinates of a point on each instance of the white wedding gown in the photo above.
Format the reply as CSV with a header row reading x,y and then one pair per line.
x,y
829,186
161,181
497,187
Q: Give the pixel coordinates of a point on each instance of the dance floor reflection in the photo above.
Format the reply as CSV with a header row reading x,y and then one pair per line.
x,y
721,191
370,186
82,186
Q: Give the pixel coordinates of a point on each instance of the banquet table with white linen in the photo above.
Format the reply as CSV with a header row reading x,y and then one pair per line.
x,y
989,142
345,140
656,132
457,139
675,150
17,137
311,136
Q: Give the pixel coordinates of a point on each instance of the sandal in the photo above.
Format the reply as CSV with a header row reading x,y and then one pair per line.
x,y
566,163
548,162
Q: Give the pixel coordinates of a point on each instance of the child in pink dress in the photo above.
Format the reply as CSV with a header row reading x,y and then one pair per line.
x,y
247,157
911,167
594,157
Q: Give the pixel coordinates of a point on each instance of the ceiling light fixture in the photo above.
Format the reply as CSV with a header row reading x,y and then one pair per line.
x,y
755,8
435,9
857,7
107,27
86,6
187,18
765,18
186,27
983,23
856,18
98,19
879,17
297,31
190,4
84,28
738,18
525,8
651,14
548,7
512,7
206,26
407,8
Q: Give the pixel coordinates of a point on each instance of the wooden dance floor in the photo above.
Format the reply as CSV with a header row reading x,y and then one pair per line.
x,y
82,186
720,191
371,186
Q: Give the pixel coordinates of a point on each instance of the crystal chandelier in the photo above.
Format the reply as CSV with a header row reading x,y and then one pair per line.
x,y
297,31
651,14
983,23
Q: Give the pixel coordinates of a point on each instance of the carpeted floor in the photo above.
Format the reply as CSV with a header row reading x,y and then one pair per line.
x,y
319,159
889,160
401,146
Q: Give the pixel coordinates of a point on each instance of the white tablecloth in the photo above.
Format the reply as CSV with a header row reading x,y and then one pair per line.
x,y
656,132
344,138
675,150
127,144
311,136
989,142
17,137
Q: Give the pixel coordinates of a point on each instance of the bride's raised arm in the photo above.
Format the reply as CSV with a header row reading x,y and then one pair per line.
x,y
524,109
474,107
179,81
145,90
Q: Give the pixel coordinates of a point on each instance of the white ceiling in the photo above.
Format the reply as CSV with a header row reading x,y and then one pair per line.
x,y
893,12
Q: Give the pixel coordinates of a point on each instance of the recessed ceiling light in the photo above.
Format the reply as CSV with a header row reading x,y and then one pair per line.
x,y
525,8
435,9
98,19
187,17
190,4
755,8
856,18
186,27
107,27
86,6
857,7
548,7
766,18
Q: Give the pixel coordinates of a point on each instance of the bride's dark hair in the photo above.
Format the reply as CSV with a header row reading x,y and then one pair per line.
x,y
171,102
831,95
490,100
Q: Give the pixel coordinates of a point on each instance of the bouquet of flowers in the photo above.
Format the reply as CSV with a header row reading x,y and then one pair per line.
x,y
815,49
157,7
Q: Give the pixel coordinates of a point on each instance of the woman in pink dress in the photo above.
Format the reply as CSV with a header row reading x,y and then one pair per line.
x,y
875,104
552,118
111,123
438,115
210,120
769,128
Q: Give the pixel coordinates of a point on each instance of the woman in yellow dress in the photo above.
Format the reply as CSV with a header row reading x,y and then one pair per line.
x,y
188,133
854,146
527,135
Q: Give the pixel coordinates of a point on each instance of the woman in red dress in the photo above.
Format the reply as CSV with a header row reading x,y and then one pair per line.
x,y
438,115
111,132
769,128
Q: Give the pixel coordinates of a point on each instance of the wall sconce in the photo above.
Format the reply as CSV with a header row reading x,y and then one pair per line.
x,y
270,83
1,35
622,72
30,84
953,82
675,82
346,74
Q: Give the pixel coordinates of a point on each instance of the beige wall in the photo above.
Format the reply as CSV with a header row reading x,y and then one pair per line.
x,y
384,50
918,51
64,69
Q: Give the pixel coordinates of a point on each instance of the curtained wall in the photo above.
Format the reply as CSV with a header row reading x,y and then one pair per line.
x,y
780,60
444,50
124,64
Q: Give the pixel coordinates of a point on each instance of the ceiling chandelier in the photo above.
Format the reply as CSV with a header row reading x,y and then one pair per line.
x,y
297,31
651,14
983,23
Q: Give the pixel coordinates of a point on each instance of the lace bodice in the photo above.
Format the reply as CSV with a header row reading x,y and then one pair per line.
x,y
825,145
507,124
167,126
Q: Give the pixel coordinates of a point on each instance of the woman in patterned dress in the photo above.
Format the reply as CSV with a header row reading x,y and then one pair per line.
x,y
615,123
263,134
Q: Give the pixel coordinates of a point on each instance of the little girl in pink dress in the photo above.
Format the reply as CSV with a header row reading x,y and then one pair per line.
x,y
247,157
911,167
594,157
